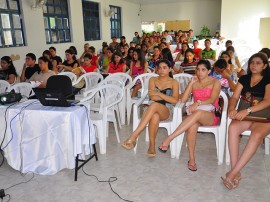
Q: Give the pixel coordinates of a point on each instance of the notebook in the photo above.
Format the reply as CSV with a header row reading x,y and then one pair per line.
x,y
53,97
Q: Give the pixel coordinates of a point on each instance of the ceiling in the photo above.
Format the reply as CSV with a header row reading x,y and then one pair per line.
x,y
143,2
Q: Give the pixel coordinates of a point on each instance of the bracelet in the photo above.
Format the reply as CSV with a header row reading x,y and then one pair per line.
x,y
249,110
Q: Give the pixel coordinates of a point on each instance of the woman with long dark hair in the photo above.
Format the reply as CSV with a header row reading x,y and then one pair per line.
x,y
8,71
163,91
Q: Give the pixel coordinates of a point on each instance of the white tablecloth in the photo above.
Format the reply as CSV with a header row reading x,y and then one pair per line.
x,y
44,139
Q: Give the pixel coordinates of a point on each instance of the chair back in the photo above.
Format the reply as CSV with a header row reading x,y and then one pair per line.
x,y
91,80
126,78
144,80
24,88
4,85
71,75
183,80
61,82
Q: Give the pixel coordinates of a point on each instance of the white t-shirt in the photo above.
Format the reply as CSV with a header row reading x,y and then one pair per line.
x,y
168,39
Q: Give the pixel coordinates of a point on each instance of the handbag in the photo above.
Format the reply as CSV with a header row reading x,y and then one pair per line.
x,y
248,101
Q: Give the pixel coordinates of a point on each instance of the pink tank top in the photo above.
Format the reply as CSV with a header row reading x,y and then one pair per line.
x,y
204,94
137,70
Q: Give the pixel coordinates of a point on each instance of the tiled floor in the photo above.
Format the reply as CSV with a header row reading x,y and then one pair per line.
x,y
146,179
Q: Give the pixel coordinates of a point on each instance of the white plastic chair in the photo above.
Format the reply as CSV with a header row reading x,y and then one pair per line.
x,y
219,131
127,80
24,88
170,124
110,95
71,75
91,81
4,85
96,102
144,79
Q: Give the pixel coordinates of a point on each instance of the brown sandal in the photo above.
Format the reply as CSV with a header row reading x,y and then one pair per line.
x,y
129,144
228,183
151,154
192,167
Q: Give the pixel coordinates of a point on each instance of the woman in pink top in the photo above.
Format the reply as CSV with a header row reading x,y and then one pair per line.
x,y
137,66
117,64
205,91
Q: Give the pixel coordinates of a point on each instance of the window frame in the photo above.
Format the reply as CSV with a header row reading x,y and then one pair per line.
x,y
54,16
12,29
116,21
95,30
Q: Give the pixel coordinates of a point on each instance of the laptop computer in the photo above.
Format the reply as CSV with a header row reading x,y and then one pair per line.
x,y
53,97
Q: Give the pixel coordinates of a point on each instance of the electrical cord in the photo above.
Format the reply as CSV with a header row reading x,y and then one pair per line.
x,y
4,136
24,182
111,179
10,124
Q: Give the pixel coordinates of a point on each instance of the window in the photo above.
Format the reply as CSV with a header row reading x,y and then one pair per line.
x,y
116,29
11,31
56,21
91,20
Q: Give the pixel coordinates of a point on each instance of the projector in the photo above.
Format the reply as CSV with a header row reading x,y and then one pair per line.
x,y
10,97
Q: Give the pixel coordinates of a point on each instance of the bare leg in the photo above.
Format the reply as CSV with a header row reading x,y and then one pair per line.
x,y
155,108
258,132
191,134
136,89
235,129
153,130
199,116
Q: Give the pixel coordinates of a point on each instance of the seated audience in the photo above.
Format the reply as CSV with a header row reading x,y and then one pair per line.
x,y
70,63
85,51
266,52
163,91
117,64
255,84
208,53
234,59
136,38
191,36
196,49
129,57
167,55
205,91
29,67
92,51
178,47
87,65
122,41
42,76
189,59
8,71
137,67
156,57
224,75
114,44
56,60
181,55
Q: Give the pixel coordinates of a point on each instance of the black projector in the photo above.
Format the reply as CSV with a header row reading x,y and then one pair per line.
x,y
10,97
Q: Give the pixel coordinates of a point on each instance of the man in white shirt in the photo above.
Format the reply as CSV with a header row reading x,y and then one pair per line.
x,y
168,37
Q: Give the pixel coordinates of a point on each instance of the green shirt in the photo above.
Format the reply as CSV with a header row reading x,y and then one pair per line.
x,y
208,54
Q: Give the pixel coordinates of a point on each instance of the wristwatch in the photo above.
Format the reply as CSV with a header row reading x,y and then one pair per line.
x,y
199,102
249,110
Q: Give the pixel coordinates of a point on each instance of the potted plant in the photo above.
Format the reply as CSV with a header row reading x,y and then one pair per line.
x,y
205,32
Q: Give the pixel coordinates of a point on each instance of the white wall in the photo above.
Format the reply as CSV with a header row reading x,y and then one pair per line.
x,y
241,19
35,33
204,12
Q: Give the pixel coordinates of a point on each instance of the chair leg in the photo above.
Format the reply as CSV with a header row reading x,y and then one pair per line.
x,y
179,142
116,131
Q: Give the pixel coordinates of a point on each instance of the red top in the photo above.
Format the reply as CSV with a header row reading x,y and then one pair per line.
x,y
197,52
89,69
94,59
115,69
